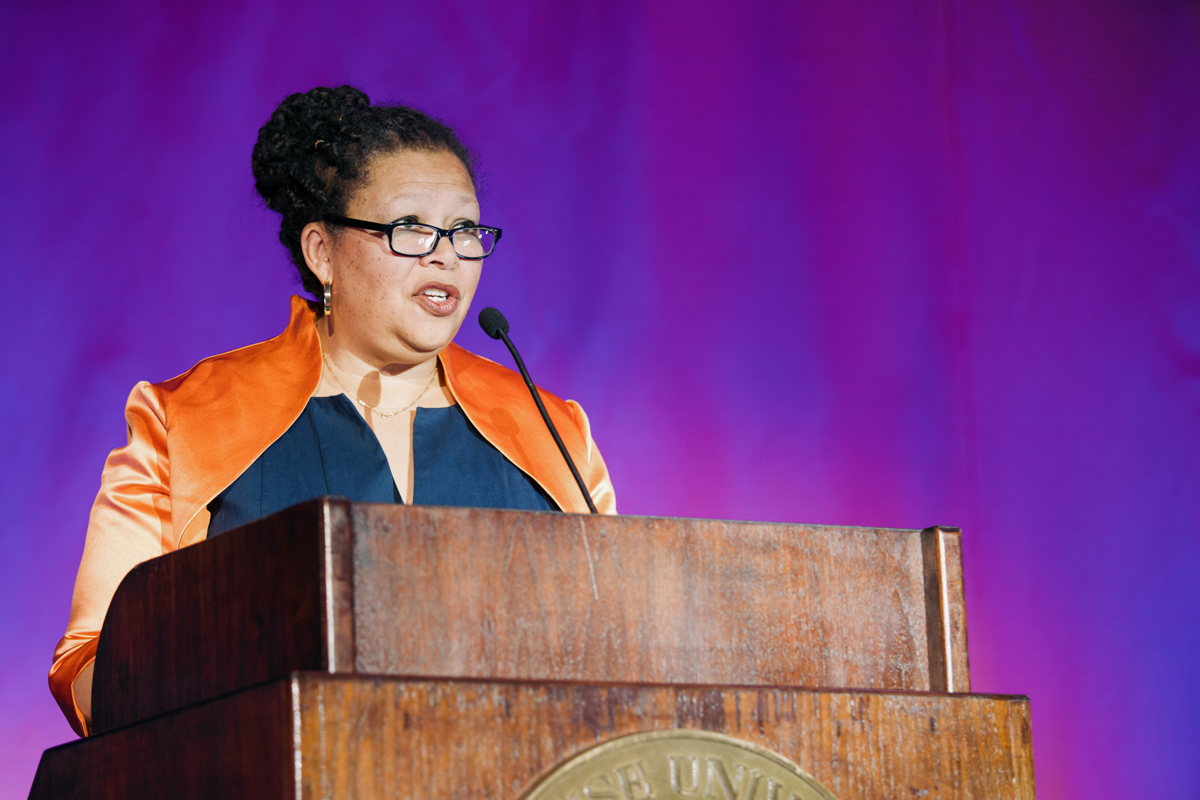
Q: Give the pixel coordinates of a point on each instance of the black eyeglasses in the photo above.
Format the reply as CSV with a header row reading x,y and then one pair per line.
x,y
414,240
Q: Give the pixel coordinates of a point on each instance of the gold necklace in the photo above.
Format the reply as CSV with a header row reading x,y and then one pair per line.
x,y
379,414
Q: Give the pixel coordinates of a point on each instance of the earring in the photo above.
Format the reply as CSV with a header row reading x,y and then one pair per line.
x,y
329,299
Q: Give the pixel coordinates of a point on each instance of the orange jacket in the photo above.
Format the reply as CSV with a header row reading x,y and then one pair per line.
x,y
192,436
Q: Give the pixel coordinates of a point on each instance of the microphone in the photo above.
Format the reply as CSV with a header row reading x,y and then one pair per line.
x,y
496,326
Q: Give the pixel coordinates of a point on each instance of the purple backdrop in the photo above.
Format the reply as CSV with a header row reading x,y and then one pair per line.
x,y
882,264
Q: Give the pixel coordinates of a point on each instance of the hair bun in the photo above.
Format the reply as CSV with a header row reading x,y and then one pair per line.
x,y
287,143
322,104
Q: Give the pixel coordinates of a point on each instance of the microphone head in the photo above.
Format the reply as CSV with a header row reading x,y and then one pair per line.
x,y
493,322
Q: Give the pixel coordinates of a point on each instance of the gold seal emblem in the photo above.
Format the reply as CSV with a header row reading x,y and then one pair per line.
x,y
664,765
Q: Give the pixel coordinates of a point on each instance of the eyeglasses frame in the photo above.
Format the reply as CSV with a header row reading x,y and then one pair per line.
x,y
388,227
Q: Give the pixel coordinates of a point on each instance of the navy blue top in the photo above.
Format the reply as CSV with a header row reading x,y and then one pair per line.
x,y
330,450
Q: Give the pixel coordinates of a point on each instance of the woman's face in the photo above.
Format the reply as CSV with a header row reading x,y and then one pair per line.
x,y
392,310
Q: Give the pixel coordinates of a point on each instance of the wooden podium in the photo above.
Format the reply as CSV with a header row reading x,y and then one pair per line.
x,y
344,650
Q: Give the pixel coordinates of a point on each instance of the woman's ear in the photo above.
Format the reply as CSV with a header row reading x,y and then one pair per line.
x,y
316,242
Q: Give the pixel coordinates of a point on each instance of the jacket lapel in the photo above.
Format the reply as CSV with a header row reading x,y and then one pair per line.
x,y
227,410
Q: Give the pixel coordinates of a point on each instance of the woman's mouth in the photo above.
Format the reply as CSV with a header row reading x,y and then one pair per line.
x,y
438,299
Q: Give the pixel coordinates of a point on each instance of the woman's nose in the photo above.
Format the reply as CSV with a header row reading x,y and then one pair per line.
x,y
443,255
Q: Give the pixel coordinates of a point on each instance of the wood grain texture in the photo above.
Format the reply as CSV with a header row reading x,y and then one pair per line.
x,y
454,592
359,737
955,624
468,740
935,633
337,591
482,593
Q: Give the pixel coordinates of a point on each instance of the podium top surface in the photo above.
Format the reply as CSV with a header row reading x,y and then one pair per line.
x,y
478,593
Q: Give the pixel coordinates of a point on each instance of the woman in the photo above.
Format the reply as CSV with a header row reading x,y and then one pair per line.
x,y
363,395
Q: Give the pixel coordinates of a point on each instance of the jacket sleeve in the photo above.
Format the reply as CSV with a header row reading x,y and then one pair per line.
x,y
594,472
130,523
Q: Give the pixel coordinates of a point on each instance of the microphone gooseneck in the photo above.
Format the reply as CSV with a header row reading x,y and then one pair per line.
x,y
496,326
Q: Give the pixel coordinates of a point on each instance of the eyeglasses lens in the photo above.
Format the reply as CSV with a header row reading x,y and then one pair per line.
x,y
473,242
413,240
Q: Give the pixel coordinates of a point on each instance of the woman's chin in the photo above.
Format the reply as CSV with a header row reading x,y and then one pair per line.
x,y
433,335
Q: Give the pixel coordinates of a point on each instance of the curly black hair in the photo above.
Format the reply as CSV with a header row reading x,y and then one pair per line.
x,y
314,153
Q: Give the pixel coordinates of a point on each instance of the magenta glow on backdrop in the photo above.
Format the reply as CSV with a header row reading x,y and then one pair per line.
x,y
878,264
